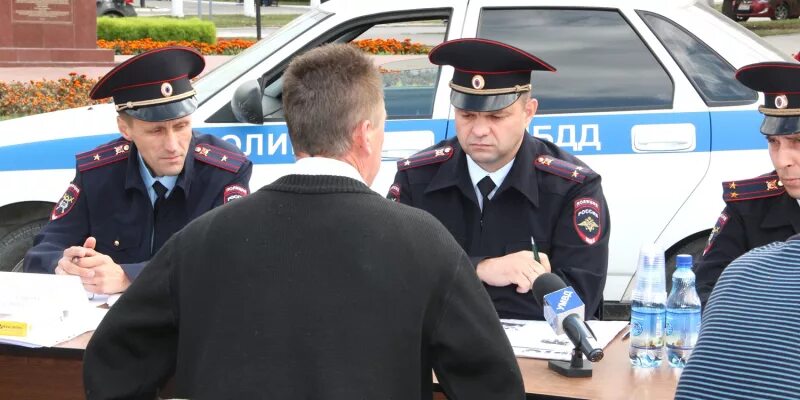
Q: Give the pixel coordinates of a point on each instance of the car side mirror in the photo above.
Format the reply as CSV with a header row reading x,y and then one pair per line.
x,y
247,103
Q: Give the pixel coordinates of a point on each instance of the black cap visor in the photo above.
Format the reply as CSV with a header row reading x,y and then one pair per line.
x,y
473,102
164,112
780,125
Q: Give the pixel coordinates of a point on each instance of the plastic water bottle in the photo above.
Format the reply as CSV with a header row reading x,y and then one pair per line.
x,y
648,309
683,314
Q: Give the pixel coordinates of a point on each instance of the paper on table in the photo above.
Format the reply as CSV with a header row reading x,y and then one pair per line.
x,y
535,339
78,323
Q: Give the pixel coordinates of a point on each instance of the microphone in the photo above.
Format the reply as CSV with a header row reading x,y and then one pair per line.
x,y
564,311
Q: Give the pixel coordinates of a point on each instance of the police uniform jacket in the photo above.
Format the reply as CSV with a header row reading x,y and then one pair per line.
x,y
323,290
758,211
548,195
108,200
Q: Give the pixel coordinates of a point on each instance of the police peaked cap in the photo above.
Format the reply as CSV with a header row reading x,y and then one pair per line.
x,y
780,82
153,86
489,75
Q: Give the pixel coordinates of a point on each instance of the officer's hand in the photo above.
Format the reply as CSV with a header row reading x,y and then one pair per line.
x,y
107,277
68,263
513,269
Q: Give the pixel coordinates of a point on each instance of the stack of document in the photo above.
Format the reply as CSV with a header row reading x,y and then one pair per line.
x,y
41,310
535,339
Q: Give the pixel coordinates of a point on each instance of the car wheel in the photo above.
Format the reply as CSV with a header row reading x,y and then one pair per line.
x,y
112,15
781,12
16,243
741,19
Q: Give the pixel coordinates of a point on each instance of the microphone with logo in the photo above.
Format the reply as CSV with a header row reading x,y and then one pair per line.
x,y
564,310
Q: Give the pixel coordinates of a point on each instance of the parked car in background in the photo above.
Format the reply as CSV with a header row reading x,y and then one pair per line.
x,y
644,93
115,8
774,9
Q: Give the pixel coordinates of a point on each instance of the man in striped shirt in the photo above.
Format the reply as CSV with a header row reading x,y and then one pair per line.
x,y
746,348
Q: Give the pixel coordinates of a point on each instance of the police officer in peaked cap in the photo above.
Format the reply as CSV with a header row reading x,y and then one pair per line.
x,y
497,189
763,209
131,194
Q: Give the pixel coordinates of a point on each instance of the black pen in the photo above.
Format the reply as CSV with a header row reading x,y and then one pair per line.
x,y
535,251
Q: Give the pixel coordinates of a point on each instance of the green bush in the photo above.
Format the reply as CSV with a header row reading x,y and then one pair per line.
x,y
158,29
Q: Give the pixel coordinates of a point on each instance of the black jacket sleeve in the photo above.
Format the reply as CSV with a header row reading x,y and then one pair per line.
x,y
67,227
580,264
727,242
133,351
471,355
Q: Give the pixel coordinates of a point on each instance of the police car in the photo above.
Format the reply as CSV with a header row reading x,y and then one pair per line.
x,y
645,94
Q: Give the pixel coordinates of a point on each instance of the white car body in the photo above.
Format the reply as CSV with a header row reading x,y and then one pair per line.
x,y
661,165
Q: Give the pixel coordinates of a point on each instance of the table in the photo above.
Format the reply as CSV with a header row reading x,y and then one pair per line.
x,y
56,373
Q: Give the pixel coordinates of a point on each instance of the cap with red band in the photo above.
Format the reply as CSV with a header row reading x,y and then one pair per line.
x,y
489,75
153,86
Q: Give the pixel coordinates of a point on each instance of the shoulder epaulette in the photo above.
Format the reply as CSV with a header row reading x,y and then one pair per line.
x,y
564,169
756,188
427,157
219,157
106,154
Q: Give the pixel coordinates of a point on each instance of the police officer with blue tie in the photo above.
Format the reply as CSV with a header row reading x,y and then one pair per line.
x,y
131,194
497,189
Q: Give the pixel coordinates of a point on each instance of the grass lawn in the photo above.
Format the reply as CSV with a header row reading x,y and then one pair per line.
x,y
767,28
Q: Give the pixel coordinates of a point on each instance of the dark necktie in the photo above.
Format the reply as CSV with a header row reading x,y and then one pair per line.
x,y
159,223
485,186
161,195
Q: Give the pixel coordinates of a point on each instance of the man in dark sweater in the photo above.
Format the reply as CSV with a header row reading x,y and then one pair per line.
x,y
315,287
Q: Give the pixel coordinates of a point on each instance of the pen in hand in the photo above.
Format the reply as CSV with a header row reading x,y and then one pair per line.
x,y
535,251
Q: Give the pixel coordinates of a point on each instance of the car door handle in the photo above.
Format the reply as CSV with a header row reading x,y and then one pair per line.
x,y
401,144
663,138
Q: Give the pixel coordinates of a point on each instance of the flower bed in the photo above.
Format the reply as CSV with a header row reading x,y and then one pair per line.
x,y
34,97
235,46
131,47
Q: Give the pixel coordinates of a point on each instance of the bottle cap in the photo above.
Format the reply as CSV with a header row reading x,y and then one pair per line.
x,y
684,261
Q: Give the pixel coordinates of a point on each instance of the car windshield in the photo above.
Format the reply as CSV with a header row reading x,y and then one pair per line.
x,y
214,81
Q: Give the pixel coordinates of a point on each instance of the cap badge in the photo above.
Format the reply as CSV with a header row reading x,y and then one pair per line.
x,y
478,82
166,89
781,102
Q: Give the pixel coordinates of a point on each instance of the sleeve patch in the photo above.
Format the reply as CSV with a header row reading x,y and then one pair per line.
x,y
233,192
721,221
394,193
66,203
588,220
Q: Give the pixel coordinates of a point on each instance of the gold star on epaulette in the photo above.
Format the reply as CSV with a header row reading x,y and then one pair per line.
x,y
575,173
734,195
732,186
97,157
407,162
224,158
772,185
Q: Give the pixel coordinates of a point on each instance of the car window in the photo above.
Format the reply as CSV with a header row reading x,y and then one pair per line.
x,y
409,79
711,75
602,63
400,50
218,78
